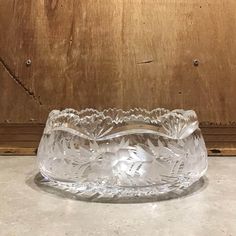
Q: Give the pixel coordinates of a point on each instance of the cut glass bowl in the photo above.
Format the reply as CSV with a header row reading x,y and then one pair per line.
x,y
115,154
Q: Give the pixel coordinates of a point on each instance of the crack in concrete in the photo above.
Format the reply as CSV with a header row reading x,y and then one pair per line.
x,y
19,82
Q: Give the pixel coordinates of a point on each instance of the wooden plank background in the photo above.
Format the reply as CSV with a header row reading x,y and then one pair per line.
x,y
23,139
117,53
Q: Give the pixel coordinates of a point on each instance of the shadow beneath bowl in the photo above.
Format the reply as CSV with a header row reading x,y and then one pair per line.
x,y
66,193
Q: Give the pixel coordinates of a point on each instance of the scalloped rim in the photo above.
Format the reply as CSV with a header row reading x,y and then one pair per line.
x,y
179,113
87,115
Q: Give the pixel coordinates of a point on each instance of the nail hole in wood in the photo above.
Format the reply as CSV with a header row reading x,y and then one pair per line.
x,y
28,62
196,62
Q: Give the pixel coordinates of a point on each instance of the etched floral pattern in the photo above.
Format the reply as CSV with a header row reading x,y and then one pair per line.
x,y
117,149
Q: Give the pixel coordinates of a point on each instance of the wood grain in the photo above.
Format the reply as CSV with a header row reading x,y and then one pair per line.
x,y
23,139
117,53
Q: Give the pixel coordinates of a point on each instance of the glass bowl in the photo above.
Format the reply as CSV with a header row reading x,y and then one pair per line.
x,y
114,154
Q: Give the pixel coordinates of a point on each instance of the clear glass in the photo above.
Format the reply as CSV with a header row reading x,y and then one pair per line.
x,y
115,154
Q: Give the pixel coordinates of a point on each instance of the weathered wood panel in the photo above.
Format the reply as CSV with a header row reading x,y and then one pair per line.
x,y
23,139
117,53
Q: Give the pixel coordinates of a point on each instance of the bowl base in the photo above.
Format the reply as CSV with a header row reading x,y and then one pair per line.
x,y
96,192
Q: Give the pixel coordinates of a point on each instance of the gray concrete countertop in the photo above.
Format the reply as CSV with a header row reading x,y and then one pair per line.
x,y
27,210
